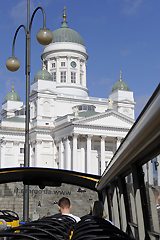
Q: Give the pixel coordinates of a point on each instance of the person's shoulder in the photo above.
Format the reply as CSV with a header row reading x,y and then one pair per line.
x,y
109,221
87,216
57,215
75,217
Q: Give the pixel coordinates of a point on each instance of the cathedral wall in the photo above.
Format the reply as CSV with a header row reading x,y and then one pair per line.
x,y
9,105
13,124
64,105
12,149
123,102
121,95
95,162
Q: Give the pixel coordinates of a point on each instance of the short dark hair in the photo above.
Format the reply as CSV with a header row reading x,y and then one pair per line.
x,y
64,202
98,209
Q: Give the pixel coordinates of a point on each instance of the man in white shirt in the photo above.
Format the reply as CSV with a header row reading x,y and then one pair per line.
x,y
64,206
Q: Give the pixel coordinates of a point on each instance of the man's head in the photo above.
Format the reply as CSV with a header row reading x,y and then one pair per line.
x,y
64,205
98,209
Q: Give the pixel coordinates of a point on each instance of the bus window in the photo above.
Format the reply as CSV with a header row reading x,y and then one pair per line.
x,y
151,171
130,192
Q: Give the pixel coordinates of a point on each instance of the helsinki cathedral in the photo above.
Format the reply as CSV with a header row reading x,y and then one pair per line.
x,y
68,128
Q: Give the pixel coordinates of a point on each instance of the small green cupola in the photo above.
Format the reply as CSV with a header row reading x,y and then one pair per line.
x,y
43,74
120,84
66,34
12,95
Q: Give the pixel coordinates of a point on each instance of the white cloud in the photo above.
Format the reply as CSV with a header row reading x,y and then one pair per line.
x,y
104,82
125,52
131,6
19,12
44,3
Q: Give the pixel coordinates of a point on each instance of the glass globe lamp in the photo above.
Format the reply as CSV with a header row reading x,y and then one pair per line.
x,y
12,64
44,36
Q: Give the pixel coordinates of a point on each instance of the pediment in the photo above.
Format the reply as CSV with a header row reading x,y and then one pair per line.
x,y
107,119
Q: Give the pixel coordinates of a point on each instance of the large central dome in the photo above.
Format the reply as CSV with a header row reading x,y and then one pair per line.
x,y
66,34
66,59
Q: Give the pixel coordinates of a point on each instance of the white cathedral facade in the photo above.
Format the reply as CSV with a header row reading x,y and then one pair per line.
x,y
68,128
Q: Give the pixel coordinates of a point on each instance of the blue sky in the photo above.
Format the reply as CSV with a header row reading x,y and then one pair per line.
x,y
119,34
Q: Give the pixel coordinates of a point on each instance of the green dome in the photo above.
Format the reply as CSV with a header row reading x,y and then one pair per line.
x,y
66,34
43,75
12,96
120,85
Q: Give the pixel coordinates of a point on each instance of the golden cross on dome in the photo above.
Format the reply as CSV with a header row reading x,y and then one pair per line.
x,y
64,14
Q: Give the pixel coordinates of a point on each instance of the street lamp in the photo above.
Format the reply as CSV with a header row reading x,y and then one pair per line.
x,y
44,37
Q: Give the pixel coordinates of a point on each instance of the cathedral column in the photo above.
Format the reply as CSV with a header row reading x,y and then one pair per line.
x,y
32,159
88,160
48,65
82,142
68,70
16,151
102,155
58,70
78,72
67,155
84,75
55,165
2,152
118,139
61,155
74,152
38,149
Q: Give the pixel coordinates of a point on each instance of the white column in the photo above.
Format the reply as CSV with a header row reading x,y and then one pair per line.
x,y
82,154
78,72
102,155
84,75
16,151
67,157
61,155
88,170
35,153
32,159
68,70
58,69
48,66
118,142
54,154
3,146
38,149
74,153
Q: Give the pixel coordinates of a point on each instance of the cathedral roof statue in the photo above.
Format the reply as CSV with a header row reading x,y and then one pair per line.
x,y
12,95
43,74
66,34
120,84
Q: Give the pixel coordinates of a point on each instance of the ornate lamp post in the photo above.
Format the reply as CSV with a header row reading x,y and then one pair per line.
x,y
44,37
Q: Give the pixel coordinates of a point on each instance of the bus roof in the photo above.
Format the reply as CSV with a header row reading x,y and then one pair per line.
x,y
48,177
